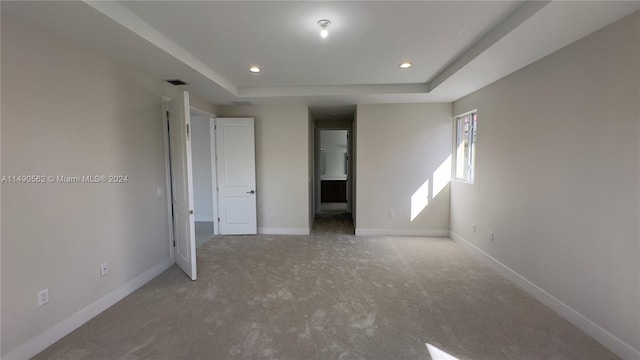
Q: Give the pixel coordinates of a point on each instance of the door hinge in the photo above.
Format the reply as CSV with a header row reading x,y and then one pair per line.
x,y
174,243
188,132
215,127
218,219
190,212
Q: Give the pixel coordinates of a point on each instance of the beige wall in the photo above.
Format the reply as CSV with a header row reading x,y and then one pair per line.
x,y
558,176
198,102
282,169
66,111
399,149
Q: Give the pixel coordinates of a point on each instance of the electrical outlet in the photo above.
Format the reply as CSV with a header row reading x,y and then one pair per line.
x,y
473,227
104,269
390,214
490,235
43,297
160,191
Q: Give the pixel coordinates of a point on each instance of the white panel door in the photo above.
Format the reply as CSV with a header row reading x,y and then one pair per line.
x,y
235,151
182,184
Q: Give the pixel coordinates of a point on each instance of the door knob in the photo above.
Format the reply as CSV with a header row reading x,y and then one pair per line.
x,y
251,192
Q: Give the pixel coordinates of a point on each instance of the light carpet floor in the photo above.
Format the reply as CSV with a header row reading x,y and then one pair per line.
x,y
328,296
333,223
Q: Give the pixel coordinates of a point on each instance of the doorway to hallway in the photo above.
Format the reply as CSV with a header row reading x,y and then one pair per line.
x,y
333,164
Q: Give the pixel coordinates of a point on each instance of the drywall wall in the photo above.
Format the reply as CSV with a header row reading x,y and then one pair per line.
x,y
403,169
201,163
557,178
196,101
68,112
282,169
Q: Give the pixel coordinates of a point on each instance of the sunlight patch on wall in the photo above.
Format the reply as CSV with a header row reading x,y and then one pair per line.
x,y
420,199
442,176
438,354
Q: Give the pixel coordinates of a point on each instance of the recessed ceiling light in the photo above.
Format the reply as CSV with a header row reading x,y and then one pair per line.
x,y
255,69
405,65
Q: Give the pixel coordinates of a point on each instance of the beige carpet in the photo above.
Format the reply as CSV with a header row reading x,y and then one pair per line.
x,y
328,296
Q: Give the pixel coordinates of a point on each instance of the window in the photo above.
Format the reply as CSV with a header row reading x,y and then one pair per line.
x,y
466,125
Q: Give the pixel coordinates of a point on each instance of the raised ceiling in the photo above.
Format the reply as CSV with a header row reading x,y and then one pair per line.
x,y
456,47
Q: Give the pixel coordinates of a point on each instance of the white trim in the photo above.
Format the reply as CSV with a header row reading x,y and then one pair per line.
x,y
401,232
283,231
613,343
48,337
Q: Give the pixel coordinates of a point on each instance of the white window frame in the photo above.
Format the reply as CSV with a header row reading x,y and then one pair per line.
x,y
469,175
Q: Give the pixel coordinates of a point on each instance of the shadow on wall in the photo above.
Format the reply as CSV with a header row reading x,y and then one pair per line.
x,y
431,188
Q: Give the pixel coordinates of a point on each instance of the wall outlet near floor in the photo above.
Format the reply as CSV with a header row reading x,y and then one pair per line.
x,y
490,235
43,297
104,269
160,191
473,226
390,215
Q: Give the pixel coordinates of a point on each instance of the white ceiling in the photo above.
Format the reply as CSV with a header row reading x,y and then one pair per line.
x,y
367,41
456,47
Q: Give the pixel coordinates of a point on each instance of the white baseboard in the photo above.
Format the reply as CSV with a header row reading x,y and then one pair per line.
x,y
283,231
401,232
50,336
610,341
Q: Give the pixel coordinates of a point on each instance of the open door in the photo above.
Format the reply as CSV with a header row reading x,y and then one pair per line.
x,y
236,167
182,184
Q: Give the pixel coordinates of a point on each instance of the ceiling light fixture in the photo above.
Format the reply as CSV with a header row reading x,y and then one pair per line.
x,y
405,65
254,69
324,23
